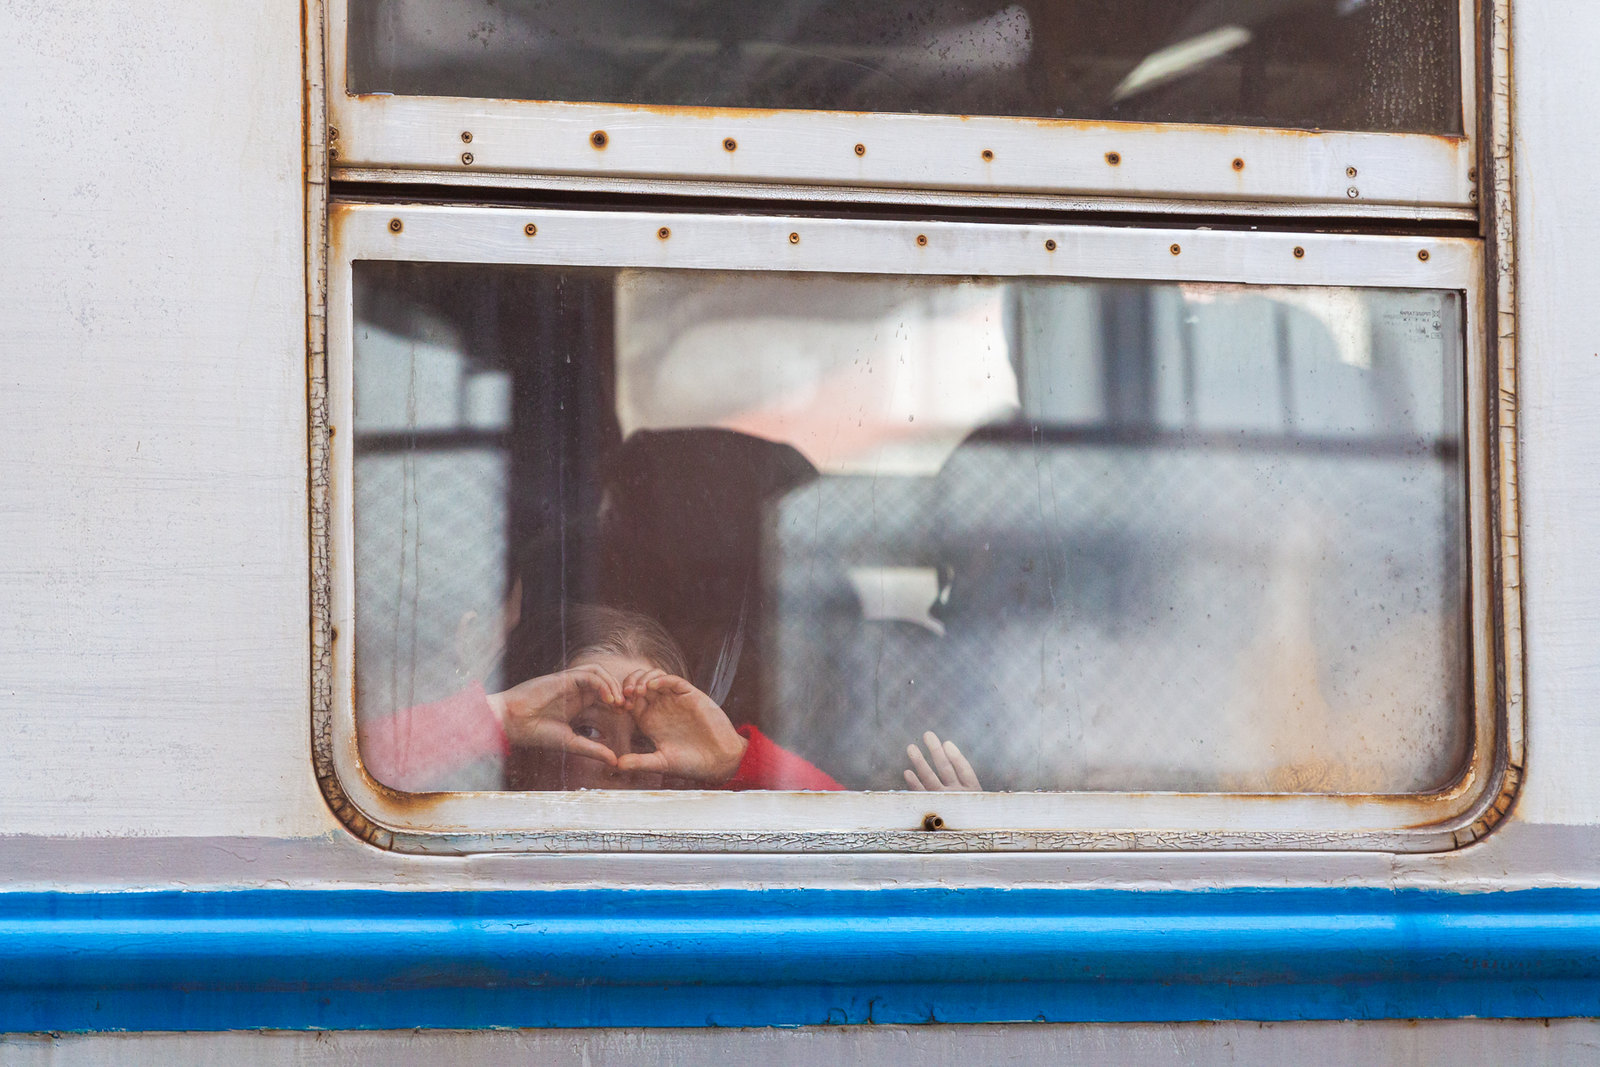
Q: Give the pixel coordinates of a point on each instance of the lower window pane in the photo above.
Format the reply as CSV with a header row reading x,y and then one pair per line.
x,y
1129,536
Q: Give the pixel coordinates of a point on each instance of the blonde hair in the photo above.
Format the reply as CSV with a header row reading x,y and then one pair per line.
x,y
591,628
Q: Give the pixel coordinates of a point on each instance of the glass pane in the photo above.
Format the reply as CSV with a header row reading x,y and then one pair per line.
x,y
1332,64
1110,536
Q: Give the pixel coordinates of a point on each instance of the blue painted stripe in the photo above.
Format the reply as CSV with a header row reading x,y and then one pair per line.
x,y
691,958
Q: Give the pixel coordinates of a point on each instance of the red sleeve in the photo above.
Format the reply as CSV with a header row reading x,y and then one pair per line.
x,y
766,766
413,749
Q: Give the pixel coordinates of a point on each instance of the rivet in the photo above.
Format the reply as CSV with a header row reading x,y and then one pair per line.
x,y
1050,245
663,233
466,136
1423,255
466,159
932,821
1352,192
988,156
530,229
1175,249
1113,158
922,240
730,144
333,133
395,225
598,138
794,238
1349,172
1299,253
861,149
1238,164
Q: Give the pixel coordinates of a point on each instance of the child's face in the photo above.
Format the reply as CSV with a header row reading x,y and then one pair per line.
x,y
612,727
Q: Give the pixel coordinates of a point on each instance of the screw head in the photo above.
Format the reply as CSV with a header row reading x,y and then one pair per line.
x,y
861,149
333,133
663,233
1423,255
988,156
466,136
1050,245
1299,253
530,229
922,240
599,139
1349,172
395,225
1352,192
730,144
1113,158
466,159
1238,164
794,238
1175,249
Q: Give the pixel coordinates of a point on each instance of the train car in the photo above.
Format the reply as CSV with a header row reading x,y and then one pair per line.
x,y
942,531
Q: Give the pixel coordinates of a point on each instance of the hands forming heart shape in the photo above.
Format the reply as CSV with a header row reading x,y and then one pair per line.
x,y
670,727
655,723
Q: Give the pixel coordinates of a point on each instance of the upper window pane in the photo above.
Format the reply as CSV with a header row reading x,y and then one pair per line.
x,y
1372,65
1105,535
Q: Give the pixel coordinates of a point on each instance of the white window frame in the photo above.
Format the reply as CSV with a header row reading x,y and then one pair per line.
x,y
1158,166
712,820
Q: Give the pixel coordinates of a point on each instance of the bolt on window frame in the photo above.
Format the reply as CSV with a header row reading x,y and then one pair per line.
x,y
788,822
819,154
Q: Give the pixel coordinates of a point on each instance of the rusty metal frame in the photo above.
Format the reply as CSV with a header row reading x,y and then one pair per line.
x,y
365,807
780,822
1108,165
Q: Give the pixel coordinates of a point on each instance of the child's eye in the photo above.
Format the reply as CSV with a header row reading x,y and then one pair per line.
x,y
588,730
643,744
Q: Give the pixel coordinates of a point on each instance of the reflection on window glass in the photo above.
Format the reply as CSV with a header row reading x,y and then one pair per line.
x,y
1335,64
690,529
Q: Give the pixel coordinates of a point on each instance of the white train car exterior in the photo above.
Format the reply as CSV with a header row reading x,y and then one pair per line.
x,y
195,863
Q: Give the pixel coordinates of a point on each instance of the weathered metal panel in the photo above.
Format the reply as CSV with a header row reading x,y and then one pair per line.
x,y
1555,155
1410,1043
152,419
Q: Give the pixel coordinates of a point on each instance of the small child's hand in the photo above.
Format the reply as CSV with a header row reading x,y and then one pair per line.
x,y
949,770
539,712
693,737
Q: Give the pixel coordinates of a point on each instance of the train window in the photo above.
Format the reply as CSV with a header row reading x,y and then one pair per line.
x,y
1337,64
1066,96
1171,529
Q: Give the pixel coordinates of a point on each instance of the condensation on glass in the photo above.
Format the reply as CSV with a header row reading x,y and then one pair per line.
x,y
1382,65
1104,536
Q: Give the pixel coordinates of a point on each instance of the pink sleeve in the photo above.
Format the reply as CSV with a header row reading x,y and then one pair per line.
x,y
414,749
766,766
